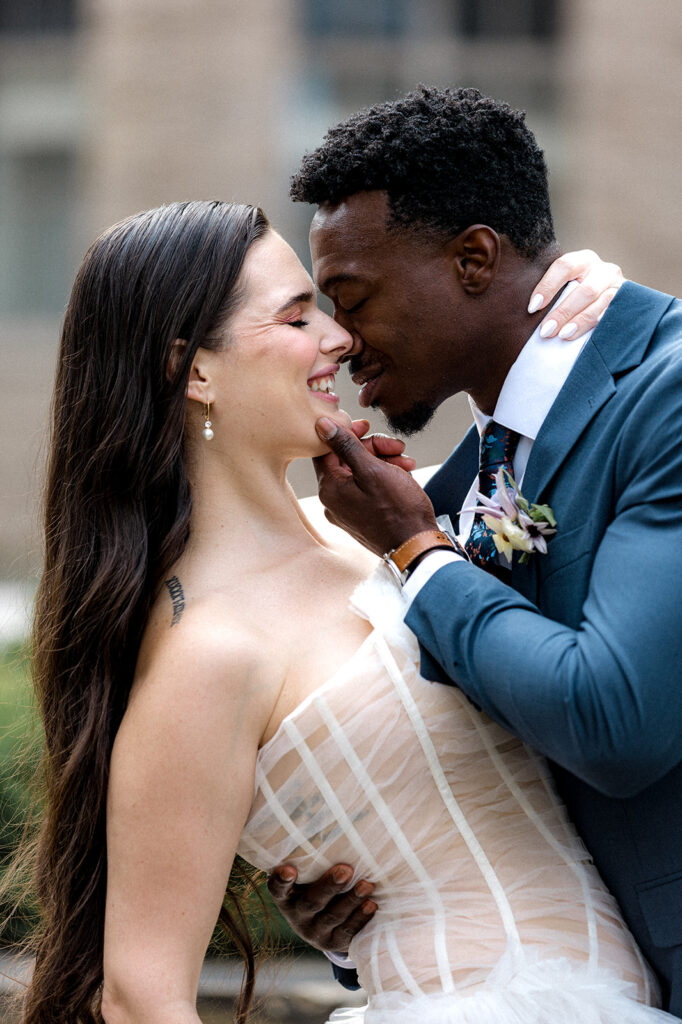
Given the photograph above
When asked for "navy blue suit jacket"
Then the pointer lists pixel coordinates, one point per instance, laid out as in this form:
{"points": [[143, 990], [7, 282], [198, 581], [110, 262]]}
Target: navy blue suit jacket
{"points": [[581, 656]]}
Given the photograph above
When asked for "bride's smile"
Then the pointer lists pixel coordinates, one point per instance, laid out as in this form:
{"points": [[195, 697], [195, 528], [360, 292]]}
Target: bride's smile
{"points": [[322, 384]]}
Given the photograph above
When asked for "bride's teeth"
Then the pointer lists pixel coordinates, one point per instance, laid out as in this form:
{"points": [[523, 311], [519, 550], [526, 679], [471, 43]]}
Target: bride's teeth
{"points": [[325, 384]]}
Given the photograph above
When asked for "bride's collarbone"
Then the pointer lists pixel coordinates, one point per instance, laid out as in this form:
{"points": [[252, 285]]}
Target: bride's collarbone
{"points": [[292, 617]]}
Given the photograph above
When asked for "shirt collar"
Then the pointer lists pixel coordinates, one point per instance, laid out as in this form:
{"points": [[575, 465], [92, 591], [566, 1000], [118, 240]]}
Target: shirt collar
{"points": [[534, 381]]}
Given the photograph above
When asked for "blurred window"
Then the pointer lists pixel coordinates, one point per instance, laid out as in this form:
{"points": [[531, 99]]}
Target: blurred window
{"points": [[354, 17], [37, 17], [36, 214], [508, 18]]}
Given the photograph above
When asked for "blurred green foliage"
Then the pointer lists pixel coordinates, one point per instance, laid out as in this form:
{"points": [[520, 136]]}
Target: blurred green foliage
{"points": [[20, 743]]}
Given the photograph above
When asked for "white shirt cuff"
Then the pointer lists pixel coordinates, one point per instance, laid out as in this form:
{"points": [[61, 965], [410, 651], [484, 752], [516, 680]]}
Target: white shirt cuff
{"points": [[340, 960], [429, 565]]}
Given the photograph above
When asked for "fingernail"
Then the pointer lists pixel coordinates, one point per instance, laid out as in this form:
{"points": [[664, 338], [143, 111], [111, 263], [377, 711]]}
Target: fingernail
{"points": [[288, 874], [368, 907], [326, 428], [535, 303], [568, 330], [549, 327], [341, 875], [363, 889]]}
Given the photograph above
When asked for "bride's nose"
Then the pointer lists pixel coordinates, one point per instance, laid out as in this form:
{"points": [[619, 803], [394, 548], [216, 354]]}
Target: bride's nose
{"points": [[335, 339]]}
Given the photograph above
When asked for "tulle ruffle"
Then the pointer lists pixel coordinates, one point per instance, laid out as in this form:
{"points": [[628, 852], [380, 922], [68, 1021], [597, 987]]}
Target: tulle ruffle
{"points": [[549, 992]]}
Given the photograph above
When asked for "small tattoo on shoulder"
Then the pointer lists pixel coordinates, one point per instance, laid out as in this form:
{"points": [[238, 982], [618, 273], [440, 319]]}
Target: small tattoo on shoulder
{"points": [[177, 596]]}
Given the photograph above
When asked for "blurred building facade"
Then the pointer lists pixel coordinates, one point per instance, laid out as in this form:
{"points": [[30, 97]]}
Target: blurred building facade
{"points": [[111, 106]]}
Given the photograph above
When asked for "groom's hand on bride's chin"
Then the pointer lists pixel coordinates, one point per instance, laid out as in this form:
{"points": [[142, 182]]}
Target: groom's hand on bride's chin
{"points": [[369, 497], [383, 446], [323, 913]]}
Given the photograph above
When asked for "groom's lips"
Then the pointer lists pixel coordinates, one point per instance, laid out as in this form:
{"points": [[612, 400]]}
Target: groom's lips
{"points": [[367, 379]]}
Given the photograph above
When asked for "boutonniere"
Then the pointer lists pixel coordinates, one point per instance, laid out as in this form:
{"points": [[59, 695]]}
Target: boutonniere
{"points": [[516, 524]]}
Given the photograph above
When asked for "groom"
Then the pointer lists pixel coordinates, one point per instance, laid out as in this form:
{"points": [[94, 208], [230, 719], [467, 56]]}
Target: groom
{"points": [[432, 226]]}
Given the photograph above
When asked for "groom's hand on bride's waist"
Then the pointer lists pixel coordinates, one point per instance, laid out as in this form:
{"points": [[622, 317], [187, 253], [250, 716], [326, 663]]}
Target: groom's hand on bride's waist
{"points": [[326, 913], [367, 494]]}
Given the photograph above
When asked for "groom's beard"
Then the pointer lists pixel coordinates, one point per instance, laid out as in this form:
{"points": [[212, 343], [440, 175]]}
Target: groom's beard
{"points": [[412, 421], [409, 422]]}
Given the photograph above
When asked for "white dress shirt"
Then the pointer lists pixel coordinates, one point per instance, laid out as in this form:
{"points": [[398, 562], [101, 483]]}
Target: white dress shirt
{"points": [[527, 395]]}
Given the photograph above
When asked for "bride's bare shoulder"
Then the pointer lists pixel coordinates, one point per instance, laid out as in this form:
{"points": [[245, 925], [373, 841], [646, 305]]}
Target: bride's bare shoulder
{"points": [[200, 653]]}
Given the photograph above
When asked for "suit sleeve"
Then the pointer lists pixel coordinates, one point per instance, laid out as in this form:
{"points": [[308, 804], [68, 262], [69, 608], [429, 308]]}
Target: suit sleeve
{"points": [[603, 700], [348, 978]]}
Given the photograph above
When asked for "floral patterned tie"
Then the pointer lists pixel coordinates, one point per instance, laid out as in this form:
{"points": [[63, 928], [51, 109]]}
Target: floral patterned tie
{"points": [[497, 448]]}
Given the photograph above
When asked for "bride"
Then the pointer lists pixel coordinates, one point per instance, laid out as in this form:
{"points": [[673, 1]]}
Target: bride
{"points": [[215, 675]]}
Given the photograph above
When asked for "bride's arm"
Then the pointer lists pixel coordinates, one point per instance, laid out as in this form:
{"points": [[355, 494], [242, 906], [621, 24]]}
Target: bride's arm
{"points": [[582, 309], [181, 784]]}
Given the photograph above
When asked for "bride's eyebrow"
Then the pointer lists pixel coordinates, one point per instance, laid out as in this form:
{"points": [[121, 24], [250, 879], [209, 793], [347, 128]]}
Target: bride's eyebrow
{"points": [[301, 297]]}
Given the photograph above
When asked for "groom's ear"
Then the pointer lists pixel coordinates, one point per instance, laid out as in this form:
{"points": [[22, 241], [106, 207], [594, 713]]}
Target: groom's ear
{"points": [[475, 255]]}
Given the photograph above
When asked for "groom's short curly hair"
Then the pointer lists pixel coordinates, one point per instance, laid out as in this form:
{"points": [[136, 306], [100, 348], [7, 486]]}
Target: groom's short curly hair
{"points": [[446, 158]]}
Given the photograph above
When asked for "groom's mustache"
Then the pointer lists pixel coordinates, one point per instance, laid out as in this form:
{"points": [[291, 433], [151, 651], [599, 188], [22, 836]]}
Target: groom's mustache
{"points": [[363, 360], [355, 363]]}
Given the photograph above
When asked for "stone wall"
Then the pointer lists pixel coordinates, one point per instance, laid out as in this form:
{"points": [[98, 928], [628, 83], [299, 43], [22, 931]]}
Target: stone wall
{"points": [[622, 115]]}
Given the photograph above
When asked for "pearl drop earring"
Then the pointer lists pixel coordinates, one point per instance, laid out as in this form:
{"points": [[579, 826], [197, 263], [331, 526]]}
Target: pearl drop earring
{"points": [[207, 433]]}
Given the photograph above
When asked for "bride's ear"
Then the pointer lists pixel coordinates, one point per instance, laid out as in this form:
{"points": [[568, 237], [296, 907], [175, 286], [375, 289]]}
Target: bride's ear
{"points": [[199, 387]]}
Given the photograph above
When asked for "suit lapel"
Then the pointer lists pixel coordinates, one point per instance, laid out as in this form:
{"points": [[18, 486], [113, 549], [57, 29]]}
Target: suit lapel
{"points": [[589, 385], [618, 343]]}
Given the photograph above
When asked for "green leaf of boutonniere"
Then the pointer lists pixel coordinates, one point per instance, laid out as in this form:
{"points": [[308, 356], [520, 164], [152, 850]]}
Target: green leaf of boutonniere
{"points": [[542, 513]]}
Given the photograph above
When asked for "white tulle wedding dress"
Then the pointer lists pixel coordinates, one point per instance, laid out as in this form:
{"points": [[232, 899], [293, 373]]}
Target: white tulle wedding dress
{"points": [[490, 911]]}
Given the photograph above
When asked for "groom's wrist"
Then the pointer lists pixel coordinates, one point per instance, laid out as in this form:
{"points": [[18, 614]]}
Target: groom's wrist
{"points": [[405, 558]]}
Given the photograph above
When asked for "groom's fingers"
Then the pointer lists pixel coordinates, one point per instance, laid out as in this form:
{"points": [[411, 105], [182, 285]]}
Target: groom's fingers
{"points": [[360, 427], [323, 913], [330, 465], [390, 449], [344, 933], [383, 446], [346, 446]]}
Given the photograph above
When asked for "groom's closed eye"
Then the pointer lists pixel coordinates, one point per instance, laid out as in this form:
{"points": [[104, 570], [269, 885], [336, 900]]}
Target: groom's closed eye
{"points": [[352, 309]]}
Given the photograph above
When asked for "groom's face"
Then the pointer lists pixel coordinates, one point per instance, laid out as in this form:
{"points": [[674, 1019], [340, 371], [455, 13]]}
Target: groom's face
{"points": [[398, 295]]}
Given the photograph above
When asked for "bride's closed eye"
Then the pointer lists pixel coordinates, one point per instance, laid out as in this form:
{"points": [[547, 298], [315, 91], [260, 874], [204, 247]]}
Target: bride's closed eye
{"points": [[298, 323]]}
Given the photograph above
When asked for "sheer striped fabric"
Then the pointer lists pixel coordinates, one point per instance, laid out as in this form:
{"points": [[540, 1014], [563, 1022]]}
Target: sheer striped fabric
{"points": [[489, 908]]}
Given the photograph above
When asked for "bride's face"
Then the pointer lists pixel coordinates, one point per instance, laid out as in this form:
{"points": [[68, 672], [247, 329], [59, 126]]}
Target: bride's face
{"points": [[277, 371]]}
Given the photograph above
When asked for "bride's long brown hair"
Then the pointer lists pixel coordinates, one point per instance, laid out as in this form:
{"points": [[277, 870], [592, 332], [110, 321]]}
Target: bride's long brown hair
{"points": [[117, 511]]}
